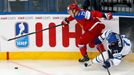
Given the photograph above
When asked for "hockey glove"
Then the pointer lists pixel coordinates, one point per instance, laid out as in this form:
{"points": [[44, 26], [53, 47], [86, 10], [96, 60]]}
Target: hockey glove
{"points": [[108, 16], [65, 22], [106, 64]]}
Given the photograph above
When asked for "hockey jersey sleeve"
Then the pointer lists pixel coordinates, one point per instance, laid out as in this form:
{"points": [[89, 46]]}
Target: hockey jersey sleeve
{"points": [[66, 21], [93, 14], [98, 14], [70, 18]]}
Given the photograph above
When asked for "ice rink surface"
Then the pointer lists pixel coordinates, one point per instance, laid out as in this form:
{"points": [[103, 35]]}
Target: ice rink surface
{"points": [[60, 67]]}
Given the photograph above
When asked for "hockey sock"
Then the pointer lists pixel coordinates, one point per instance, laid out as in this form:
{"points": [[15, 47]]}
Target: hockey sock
{"points": [[83, 51], [100, 47]]}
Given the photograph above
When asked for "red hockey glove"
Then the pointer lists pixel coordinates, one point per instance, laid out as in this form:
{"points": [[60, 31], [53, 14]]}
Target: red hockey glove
{"points": [[108, 15], [65, 22]]}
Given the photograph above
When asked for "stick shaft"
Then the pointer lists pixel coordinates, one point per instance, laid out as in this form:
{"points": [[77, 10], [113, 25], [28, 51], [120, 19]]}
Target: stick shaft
{"points": [[104, 61], [34, 32]]}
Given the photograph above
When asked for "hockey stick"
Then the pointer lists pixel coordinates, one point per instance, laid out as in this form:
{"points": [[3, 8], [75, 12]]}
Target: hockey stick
{"points": [[34, 32], [3, 37], [104, 61]]}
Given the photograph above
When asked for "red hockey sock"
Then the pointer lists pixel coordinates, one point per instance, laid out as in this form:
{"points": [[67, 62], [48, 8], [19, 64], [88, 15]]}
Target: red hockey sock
{"points": [[83, 51], [100, 47]]}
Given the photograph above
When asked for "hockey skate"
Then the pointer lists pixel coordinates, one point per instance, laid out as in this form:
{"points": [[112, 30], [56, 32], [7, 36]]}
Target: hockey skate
{"points": [[88, 63], [84, 59]]}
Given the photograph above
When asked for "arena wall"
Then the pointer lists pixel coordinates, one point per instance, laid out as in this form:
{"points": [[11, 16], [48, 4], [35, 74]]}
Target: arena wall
{"points": [[56, 43]]}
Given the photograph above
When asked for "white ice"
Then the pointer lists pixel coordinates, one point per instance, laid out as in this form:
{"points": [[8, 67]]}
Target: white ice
{"points": [[61, 67]]}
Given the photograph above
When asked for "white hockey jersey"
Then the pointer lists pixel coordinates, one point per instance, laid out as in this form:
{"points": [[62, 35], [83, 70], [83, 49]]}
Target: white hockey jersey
{"points": [[121, 42]]}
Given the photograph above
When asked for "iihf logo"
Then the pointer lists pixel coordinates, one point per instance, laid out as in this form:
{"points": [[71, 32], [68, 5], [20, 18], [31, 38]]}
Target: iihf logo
{"points": [[22, 29]]}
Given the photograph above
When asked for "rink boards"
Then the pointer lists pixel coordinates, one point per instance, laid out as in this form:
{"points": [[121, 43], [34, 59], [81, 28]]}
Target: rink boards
{"points": [[58, 43], [43, 55], [50, 56]]}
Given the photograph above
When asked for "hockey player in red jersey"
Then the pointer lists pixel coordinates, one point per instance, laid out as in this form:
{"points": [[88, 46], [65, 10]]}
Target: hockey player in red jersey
{"points": [[89, 22]]}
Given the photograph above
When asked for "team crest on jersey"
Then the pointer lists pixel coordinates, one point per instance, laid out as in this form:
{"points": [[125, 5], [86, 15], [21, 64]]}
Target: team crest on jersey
{"points": [[21, 29]]}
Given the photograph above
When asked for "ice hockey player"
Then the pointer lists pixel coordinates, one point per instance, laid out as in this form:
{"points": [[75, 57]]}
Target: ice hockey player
{"points": [[118, 47], [89, 22]]}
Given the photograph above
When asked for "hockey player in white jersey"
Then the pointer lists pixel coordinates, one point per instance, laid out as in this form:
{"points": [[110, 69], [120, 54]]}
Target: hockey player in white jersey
{"points": [[118, 47]]}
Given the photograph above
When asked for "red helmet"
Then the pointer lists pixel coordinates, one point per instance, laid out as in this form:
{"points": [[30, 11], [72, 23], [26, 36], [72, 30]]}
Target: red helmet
{"points": [[73, 7]]}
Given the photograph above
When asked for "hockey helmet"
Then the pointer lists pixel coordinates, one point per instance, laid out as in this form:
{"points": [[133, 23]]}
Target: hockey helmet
{"points": [[112, 38], [73, 7]]}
